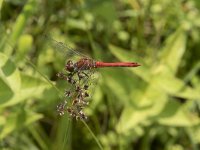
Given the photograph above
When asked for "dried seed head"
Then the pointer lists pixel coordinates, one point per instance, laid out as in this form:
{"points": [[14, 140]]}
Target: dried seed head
{"points": [[61, 108], [71, 80], [69, 110], [60, 75], [77, 117], [61, 113], [85, 87], [86, 94], [82, 115], [85, 103], [76, 101], [80, 76], [67, 93], [78, 89], [70, 74]]}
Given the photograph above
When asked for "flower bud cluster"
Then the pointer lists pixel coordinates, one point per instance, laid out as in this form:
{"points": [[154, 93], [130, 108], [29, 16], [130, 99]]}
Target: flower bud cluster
{"points": [[77, 96]]}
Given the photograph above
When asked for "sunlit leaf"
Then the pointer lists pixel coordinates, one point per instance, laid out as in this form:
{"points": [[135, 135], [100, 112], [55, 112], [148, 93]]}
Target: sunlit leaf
{"points": [[5, 92], [175, 115], [13, 122], [9, 73], [24, 44], [31, 87], [174, 49], [17, 87], [174, 86], [124, 56]]}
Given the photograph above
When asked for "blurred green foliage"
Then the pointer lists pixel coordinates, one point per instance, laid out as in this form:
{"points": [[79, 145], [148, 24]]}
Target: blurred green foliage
{"points": [[155, 106]]}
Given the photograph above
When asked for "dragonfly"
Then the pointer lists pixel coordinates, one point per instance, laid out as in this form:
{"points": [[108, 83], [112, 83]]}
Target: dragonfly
{"points": [[78, 71]]}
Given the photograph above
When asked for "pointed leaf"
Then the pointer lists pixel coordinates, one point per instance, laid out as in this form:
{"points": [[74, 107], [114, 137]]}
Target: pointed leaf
{"points": [[125, 56], [9, 73], [174, 50], [31, 87], [175, 115], [16, 121]]}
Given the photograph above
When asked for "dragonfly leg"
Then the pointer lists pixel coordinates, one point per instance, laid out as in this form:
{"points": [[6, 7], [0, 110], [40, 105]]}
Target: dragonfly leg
{"points": [[80, 75]]}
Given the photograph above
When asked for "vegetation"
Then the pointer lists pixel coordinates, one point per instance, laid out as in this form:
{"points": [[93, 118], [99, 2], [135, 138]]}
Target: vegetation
{"points": [[155, 106]]}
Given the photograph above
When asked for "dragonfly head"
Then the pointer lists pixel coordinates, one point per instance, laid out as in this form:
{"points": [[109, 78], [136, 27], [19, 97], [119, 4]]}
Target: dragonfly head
{"points": [[69, 66]]}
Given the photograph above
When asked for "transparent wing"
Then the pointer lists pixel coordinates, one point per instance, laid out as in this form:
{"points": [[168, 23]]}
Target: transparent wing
{"points": [[66, 51], [92, 81]]}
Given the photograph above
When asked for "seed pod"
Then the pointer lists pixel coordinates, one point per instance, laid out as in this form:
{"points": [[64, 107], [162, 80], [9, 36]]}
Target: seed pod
{"points": [[60, 75], [78, 89], [67, 93], [85, 87], [61, 108], [86, 94], [76, 101], [82, 115]]}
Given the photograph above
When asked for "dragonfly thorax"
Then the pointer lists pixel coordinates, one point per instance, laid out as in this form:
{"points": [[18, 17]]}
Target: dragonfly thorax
{"points": [[82, 64]]}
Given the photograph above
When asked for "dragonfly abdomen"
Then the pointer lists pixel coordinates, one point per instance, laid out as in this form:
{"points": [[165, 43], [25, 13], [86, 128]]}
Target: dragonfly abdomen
{"points": [[87, 64], [116, 64]]}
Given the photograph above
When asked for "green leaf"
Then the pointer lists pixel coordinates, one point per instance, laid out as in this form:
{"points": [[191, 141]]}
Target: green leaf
{"points": [[77, 24], [2, 120], [175, 115], [9, 73], [123, 55], [131, 117], [174, 86], [152, 102], [30, 87], [17, 87], [103, 9], [6, 92], [20, 23], [10, 80], [174, 49], [24, 44], [18, 120], [115, 84]]}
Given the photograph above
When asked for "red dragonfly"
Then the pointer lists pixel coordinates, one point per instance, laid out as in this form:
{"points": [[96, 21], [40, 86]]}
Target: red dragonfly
{"points": [[87, 64], [77, 74]]}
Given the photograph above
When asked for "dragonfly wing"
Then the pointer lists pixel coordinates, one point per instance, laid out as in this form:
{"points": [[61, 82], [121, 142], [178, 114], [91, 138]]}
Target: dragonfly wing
{"points": [[93, 81], [66, 51]]}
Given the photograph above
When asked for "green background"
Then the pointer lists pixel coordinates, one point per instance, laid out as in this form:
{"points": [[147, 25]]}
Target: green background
{"points": [[152, 107]]}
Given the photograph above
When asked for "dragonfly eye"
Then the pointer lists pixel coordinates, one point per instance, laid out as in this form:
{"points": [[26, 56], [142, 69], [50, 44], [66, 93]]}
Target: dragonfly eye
{"points": [[69, 66]]}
